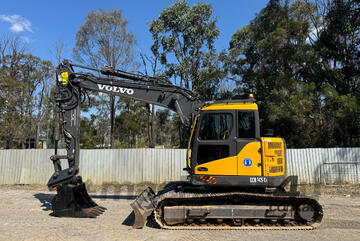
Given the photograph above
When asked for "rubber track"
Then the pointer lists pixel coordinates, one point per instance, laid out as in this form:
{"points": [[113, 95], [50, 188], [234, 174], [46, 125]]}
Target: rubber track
{"points": [[173, 196]]}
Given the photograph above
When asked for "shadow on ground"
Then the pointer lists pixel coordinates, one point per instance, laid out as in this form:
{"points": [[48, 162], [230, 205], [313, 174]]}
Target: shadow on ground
{"points": [[45, 200], [125, 197], [130, 220]]}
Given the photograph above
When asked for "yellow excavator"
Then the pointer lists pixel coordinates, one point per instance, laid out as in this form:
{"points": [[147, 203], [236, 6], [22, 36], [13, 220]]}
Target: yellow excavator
{"points": [[236, 178]]}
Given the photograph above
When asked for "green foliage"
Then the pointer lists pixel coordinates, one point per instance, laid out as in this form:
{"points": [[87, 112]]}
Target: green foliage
{"points": [[183, 39], [24, 94], [167, 134], [309, 87], [89, 137], [339, 43], [130, 125], [105, 40], [300, 58]]}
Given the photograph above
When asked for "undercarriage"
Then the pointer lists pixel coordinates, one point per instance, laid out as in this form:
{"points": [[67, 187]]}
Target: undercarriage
{"points": [[180, 208]]}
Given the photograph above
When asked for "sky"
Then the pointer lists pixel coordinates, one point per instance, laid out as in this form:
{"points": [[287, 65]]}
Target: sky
{"points": [[41, 23]]}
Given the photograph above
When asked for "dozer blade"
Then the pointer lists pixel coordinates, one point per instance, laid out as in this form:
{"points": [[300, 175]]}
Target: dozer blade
{"points": [[143, 207], [73, 200]]}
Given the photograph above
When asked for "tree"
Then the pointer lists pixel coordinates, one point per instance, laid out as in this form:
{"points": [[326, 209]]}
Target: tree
{"points": [[162, 117], [339, 43], [277, 64], [25, 87], [268, 62], [58, 52], [153, 61], [105, 40], [167, 123], [89, 137], [183, 38], [129, 124], [284, 57], [339, 48], [11, 48]]}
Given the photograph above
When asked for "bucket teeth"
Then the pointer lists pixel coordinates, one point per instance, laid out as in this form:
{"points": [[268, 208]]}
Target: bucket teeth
{"points": [[92, 212], [73, 200]]}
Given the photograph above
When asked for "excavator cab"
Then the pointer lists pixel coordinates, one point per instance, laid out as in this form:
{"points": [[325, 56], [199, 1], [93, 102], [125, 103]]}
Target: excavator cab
{"points": [[235, 178], [225, 148]]}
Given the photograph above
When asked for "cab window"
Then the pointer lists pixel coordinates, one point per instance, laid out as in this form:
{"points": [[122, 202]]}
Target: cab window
{"points": [[208, 153], [246, 124], [216, 126]]}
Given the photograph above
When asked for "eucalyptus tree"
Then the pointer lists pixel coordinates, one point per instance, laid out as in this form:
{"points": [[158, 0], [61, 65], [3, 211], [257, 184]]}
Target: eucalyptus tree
{"points": [[23, 93], [183, 39], [105, 40], [301, 60]]}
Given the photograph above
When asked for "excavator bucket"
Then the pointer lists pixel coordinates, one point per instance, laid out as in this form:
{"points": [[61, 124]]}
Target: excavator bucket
{"points": [[73, 200], [143, 207]]}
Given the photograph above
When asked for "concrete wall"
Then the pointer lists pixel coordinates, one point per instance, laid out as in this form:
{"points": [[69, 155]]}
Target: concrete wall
{"points": [[125, 166]]}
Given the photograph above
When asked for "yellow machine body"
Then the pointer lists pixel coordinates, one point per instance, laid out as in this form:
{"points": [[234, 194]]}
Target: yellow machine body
{"points": [[249, 161], [271, 162]]}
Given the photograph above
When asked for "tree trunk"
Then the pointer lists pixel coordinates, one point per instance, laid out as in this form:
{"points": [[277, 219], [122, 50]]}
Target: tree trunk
{"points": [[149, 124], [39, 117], [151, 134], [37, 135], [47, 134], [112, 120], [153, 125], [8, 144]]}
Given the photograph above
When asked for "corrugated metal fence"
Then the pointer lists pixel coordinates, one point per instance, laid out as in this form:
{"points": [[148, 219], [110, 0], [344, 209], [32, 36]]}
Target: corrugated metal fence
{"points": [[325, 165], [134, 166]]}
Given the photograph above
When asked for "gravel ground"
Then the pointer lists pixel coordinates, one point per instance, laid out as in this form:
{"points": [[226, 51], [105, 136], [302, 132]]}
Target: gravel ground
{"points": [[25, 214]]}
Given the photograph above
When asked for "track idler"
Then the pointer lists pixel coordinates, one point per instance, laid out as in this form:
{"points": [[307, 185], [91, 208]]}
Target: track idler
{"points": [[73, 200]]}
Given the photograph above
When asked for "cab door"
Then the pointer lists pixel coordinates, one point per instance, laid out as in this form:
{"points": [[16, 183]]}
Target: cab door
{"points": [[214, 151], [248, 143]]}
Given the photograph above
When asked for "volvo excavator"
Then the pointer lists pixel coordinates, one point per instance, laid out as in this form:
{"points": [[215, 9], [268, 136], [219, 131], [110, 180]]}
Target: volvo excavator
{"points": [[236, 178]]}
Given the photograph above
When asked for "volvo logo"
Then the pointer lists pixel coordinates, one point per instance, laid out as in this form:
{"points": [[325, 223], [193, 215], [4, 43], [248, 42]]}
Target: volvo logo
{"points": [[116, 89]]}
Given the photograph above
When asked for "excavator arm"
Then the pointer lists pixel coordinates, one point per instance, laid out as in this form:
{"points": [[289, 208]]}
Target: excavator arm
{"points": [[71, 86]]}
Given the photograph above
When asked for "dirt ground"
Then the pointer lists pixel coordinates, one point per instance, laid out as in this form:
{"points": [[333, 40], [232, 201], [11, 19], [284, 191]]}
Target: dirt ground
{"points": [[25, 214]]}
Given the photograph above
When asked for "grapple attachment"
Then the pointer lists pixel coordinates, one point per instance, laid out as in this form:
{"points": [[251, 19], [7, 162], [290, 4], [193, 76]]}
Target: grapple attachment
{"points": [[73, 200], [143, 207]]}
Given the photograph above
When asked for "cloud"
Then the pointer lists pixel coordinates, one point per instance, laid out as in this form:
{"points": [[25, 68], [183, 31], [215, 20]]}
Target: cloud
{"points": [[26, 39], [18, 23]]}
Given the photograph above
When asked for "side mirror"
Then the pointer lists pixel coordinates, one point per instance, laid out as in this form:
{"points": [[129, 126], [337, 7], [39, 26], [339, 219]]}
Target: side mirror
{"points": [[269, 132]]}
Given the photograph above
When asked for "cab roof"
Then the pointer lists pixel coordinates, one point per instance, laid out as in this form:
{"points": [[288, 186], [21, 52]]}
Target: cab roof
{"points": [[232, 105]]}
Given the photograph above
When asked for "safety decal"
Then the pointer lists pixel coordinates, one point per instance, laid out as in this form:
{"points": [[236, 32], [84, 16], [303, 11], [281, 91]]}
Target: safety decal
{"points": [[247, 162], [209, 179]]}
